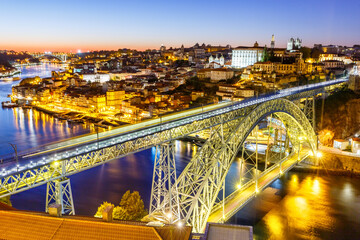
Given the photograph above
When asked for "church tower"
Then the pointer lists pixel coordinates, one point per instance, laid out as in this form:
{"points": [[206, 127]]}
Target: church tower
{"points": [[272, 42]]}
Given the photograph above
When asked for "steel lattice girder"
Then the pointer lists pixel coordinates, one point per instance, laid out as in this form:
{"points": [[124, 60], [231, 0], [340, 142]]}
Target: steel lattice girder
{"points": [[202, 179], [36, 176], [163, 205], [294, 132], [59, 191]]}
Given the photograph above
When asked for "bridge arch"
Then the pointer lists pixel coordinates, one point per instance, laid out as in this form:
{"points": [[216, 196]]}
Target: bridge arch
{"points": [[202, 179], [61, 58], [53, 56]]}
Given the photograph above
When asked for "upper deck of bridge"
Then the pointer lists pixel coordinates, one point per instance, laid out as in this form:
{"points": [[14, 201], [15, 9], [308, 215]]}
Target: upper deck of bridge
{"points": [[86, 143]]}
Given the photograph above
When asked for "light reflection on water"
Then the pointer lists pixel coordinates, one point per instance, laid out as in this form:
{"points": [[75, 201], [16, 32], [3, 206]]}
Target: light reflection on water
{"points": [[297, 206], [29, 128], [305, 207]]}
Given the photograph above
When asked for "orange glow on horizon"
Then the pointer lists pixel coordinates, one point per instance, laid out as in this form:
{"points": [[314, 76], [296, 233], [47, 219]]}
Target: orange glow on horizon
{"points": [[73, 49]]}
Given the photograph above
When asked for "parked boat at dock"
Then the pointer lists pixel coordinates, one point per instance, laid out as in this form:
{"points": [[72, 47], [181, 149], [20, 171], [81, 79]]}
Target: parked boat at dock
{"points": [[9, 104]]}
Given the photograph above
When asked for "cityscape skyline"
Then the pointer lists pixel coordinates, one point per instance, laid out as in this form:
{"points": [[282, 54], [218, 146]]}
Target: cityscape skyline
{"points": [[180, 119], [69, 26]]}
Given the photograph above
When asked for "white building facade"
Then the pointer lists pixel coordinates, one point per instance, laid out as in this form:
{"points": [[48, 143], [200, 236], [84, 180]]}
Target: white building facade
{"points": [[96, 77], [245, 56]]}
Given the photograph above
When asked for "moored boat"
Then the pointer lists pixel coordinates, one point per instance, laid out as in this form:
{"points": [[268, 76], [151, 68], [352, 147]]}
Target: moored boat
{"points": [[8, 104]]}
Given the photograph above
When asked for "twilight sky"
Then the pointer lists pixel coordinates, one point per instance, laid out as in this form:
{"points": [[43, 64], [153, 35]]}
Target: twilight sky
{"points": [[64, 25]]}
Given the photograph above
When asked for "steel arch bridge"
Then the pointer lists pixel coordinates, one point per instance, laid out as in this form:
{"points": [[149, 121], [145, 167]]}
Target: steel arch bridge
{"points": [[194, 193], [61, 57], [192, 197]]}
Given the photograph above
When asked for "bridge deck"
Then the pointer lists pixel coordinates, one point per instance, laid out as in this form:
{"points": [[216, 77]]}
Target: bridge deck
{"points": [[241, 197], [72, 156], [87, 143]]}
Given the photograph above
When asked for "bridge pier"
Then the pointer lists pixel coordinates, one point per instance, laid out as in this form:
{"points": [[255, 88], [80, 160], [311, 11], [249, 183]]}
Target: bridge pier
{"points": [[309, 110], [164, 200], [59, 191]]}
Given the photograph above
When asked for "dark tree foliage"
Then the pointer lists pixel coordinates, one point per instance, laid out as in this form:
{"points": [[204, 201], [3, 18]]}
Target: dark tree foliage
{"points": [[6, 200], [315, 53], [181, 63], [195, 83], [265, 56], [306, 52]]}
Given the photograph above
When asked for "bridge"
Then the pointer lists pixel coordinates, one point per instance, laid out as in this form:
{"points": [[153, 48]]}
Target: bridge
{"points": [[197, 195], [60, 56]]}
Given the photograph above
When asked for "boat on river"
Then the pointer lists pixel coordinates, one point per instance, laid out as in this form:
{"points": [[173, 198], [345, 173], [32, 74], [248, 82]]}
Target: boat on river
{"points": [[10, 79], [9, 104]]}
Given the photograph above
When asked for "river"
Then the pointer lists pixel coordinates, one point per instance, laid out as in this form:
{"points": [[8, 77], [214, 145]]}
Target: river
{"points": [[296, 206]]}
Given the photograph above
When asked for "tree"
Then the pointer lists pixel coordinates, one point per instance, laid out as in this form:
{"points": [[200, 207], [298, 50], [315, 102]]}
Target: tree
{"points": [[265, 56], [6, 200], [101, 209], [195, 83], [315, 53], [306, 52], [133, 205], [120, 213]]}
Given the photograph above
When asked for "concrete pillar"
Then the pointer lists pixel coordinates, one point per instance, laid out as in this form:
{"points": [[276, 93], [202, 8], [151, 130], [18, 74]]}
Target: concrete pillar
{"points": [[55, 210], [107, 214]]}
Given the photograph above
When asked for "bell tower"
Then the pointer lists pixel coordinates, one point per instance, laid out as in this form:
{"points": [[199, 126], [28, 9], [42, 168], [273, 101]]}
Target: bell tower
{"points": [[272, 42]]}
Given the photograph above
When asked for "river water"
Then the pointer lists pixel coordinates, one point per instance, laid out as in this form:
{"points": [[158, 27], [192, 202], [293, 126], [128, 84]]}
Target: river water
{"points": [[296, 206]]}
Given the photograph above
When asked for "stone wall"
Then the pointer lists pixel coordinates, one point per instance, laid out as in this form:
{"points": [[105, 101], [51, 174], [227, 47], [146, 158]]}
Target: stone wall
{"points": [[344, 120], [336, 162]]}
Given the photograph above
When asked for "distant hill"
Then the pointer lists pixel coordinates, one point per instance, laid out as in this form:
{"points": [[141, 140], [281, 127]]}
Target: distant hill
{"points": [[5, 59]]}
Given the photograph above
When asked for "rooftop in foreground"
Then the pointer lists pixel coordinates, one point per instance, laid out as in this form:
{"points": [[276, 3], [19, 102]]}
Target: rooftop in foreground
{"points": [[35, 225]]}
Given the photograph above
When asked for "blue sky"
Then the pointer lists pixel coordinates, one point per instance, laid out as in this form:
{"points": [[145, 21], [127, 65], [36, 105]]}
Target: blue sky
{"points": [[109, 24]]}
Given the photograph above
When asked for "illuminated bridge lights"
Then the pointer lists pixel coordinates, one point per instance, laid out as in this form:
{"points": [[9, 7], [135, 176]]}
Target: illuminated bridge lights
{"points": [[227, 121]]}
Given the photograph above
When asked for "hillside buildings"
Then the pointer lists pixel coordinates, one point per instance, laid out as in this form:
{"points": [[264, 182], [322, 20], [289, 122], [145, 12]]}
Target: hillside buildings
{"points": [[130, 85]]}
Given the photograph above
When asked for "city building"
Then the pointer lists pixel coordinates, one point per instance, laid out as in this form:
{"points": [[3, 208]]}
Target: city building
{"points": [[329, 64], [354, 82], [216, 62], [245, 56], [215, 75], [114, 98], [341, 144], [293, 44], [355, 145], [97, 77], [196, 94]]}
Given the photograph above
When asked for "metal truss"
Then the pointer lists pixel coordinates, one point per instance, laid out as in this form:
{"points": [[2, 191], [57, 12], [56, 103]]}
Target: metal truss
{"points": [[250, 170], [309, 110], [36, 176], [202, 179], [59, 191], [164, 206], [14, 182], [249, 161]]}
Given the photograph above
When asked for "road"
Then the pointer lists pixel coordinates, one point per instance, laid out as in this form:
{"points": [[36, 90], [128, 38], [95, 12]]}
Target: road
{"points": [[87, 143], [337, 151], [240, 197]]}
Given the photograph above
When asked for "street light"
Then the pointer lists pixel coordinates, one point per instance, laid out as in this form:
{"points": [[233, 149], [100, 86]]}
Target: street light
{"points": [[97, 135], [15, 150]]}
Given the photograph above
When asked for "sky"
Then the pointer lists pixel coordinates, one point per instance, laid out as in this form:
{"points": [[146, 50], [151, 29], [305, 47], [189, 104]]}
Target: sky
{"points": [[69, 25]]}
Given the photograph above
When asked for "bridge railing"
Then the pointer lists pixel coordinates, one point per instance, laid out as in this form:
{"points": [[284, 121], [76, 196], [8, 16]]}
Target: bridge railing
{"points": [[247, 184], [169, 118], [219, 205]]}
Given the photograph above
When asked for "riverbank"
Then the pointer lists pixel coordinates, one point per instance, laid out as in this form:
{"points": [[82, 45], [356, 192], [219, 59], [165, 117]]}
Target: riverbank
{"points": [[9, 73], [79, 117], [331, 164], [307, 168], [26, 64]]}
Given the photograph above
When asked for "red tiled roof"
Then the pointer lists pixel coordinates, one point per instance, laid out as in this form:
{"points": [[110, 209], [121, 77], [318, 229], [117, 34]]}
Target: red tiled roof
{"points": [[24, 225]]}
